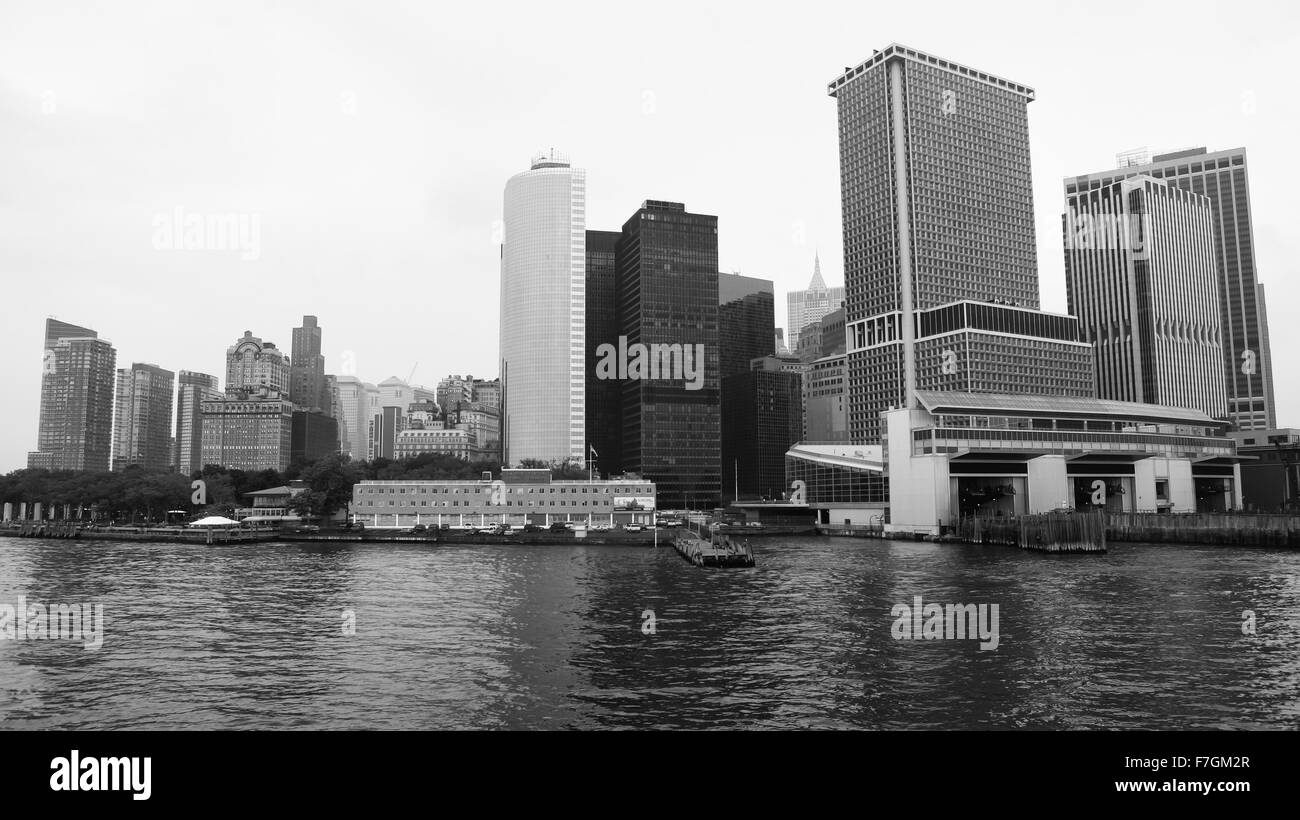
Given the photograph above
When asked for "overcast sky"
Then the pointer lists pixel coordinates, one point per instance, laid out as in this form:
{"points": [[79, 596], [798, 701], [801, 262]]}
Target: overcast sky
{"points": [[369, 143]]}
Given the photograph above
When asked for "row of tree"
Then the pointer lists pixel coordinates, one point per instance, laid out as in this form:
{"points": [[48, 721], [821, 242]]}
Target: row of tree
{"points": [[137, 493]]}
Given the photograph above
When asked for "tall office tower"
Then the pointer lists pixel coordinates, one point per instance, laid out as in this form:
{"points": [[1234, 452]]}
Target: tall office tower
{"points": [[76, 423], [453, 391], [253, 365], [1140, 275], [604, 396], [355, 397], [941, 280], [333, 407], [144, 417], [191, 391], [746, 322], [543, 311], [251, 432], [1221, 176], [307, 367], [667, 292], [803, 307], [762, 419]]}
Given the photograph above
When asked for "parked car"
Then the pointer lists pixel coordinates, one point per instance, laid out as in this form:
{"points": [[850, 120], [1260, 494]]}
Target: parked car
{"points": [[306, 528], [532, 528], [559, 526]]}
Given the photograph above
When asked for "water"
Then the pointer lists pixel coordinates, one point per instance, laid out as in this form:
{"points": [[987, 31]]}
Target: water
{"points": [[513, 637]]}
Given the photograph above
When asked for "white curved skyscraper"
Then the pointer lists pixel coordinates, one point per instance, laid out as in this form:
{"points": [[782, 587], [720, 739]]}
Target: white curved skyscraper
{"points": [[543, 309]]}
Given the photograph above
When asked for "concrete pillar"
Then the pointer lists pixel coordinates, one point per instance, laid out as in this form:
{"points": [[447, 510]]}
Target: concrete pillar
{"points": [[9, 511], [36, 511], [22, 511]]}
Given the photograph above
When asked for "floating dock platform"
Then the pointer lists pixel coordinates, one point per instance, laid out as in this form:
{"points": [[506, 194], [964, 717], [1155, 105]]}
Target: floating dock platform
{"points": [[722, 552]]}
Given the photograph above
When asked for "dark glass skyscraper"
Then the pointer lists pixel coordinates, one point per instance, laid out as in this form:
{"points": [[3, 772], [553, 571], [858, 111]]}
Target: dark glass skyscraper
{"points": [[667, 294], [762, 420], [604, 396], [938, 219], [1221, 176], [746, 322]]}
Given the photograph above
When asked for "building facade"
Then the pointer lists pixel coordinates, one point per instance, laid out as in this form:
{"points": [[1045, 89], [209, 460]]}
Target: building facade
{"points": [[253, 365], [77, 382], [356, 398], [941, 279], [803, 307], [746, 322], [667, 293], [1141, 276], [458, 443], [1270, 470], [762, 419], [543, 313], [192, 390], [825, 402], [958, 454], [518, 497], [307, 386], [313, 435], [604, 396], [1222, 177], [143, 432], [252, 432]]}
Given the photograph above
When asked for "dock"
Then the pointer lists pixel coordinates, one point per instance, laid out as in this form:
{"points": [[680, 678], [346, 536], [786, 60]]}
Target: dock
{"points": [[724, 552], [1064, 532]]}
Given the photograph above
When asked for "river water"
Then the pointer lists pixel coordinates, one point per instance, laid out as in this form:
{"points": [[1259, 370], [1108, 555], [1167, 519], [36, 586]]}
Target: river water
{"points": [[557, 637]]}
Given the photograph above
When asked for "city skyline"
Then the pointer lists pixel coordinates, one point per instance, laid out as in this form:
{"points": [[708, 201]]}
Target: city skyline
{"points": [[391, 341]]}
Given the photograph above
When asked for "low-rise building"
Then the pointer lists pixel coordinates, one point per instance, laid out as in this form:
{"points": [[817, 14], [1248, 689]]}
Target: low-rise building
{"points": [[1270, 469], [458, 443], [522, 496], [961, 454]]}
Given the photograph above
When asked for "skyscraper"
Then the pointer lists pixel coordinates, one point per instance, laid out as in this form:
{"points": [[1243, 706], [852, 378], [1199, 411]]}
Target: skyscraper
{"points": [[142, 434], [746, 322], [76, 422], [307, 368], [941, 280], [192, 390], [355, 402], [543, 307], [762, 418], [1221, 176], [604, 396], [667, 292], [1141, 276], [252, 365], [803, 307]]}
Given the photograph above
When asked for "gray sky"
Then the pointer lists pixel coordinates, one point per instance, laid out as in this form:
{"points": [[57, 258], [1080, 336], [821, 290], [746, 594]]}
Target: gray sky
{"points": [[371, 143]]}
